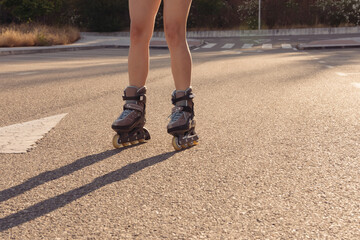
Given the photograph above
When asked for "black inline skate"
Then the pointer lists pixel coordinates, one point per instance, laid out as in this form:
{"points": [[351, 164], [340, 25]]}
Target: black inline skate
{"points": [[182, 123], [130, 124]]}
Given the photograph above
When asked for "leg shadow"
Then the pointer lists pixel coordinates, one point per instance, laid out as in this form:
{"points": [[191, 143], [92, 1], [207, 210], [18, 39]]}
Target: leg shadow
{"points": [[52, 204], [57, 173]]}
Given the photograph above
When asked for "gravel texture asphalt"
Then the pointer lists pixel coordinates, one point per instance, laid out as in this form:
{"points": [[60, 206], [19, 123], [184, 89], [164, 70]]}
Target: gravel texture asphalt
{"points": [[278, 156]]}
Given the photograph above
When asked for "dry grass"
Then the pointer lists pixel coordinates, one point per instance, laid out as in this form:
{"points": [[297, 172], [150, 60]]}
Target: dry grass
{"points": [[36, 35]]}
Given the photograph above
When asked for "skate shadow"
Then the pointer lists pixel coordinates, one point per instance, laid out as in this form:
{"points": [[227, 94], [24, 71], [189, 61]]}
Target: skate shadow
{"points": [[51, 204], [58, 173]]}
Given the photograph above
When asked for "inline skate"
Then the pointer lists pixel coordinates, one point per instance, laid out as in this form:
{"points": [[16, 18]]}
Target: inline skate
{"points": [[182, 123], [130, 124]]}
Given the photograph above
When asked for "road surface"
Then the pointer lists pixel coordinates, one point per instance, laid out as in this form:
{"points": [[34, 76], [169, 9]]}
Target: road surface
{"points": [[278, 156]]}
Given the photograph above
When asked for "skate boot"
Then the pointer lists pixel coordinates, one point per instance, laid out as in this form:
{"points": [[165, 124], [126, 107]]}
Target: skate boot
{"points": [[130, 124], [182, 123]]}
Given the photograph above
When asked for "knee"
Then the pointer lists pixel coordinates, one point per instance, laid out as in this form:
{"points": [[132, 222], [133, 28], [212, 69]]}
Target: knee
{"points": [[139, 34], [175, 36]]}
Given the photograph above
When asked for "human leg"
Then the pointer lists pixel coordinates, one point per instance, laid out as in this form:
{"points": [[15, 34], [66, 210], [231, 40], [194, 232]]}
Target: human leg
{"points": [[182, 123], [142, 16], [175, 19], [130, 124]]}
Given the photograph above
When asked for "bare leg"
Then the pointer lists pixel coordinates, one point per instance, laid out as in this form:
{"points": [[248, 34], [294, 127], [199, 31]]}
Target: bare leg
{"points": [[142, 15], [175, 18]]}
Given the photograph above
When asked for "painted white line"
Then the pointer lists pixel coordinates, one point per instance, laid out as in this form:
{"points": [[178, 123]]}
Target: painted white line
{"points": [[342, 74], [355, 84], [286, 46], [19, 138], [267, 46], [209, 45], [315, 58], [196, 49], [247, 45], [25, 73], [228, 45], [347, 74]]}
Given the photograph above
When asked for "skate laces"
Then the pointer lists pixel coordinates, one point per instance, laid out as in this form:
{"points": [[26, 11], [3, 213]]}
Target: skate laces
{"points": [[125, 113], [176, 114]]}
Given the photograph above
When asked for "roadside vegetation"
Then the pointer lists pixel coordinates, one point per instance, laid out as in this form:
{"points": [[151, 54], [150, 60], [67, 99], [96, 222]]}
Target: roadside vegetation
{"points": [[36, 35], [111, 16]]}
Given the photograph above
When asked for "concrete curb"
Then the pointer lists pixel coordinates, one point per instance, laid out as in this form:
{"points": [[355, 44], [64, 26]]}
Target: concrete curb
{"points": [[329, 46], [331, 43], [273, 32], [13, 51], [246, 33], [77, 47]]}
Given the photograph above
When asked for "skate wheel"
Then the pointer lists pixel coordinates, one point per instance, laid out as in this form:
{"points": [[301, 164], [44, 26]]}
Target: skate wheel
{"points": [[142, 140], [195, 143], [175, 143], [134, 142], [126, 144], [116, 143]]}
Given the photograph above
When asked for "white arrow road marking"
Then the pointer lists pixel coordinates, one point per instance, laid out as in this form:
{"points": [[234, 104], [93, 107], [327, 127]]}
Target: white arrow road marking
{"points": [[355, 84], [19, 138]]}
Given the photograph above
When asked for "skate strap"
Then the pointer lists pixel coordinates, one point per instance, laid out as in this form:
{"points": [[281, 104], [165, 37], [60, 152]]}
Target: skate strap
{"points": [[134, 98], [186, 97], [182, 109], [132, 106]]}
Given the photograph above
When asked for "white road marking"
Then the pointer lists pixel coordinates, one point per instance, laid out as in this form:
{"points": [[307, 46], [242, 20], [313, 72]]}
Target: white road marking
{"points": [[228, 45], [329, 66], [247, 45], [267, 46], [209, 45], [196, 49], [19, 138], [322, 62], [347, 74], [357, 85], [341, 74], [286, 46], [25, 73]]}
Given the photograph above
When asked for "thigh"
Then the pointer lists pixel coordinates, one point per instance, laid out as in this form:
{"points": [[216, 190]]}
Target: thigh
{"points": [[143, 12], [176, 13]]}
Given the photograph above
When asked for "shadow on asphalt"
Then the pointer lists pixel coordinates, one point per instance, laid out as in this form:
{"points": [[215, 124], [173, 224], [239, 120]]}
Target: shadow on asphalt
{"points": [[61, 200]]}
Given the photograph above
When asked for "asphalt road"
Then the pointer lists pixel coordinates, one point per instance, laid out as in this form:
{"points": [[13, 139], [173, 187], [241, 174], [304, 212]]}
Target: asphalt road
{"points": [[278, 156]]}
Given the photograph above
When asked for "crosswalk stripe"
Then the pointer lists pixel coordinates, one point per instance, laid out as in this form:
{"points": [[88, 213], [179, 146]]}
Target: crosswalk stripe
{"points": [[228, 45], [267, 46], [286, 46], [209, 45], [247, 45]]}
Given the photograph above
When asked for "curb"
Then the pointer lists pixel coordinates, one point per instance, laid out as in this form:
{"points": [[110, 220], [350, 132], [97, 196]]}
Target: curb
{"points": [[55, 49], [330, 46], [247, 33], [14, 51]]}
